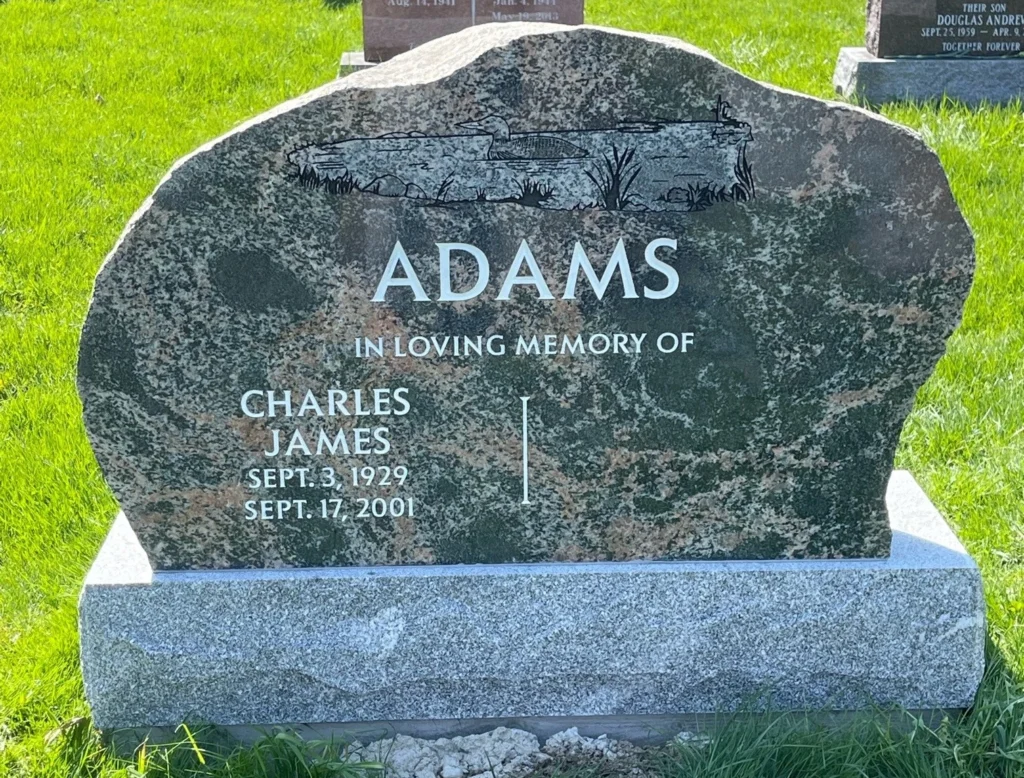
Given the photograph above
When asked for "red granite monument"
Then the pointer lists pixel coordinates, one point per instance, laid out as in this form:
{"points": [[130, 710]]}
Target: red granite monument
{"points": [[391, 27]]}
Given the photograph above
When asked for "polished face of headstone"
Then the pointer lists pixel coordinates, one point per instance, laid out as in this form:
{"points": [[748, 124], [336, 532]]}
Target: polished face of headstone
{"points": [[526, 294], [948, 28], [393, 27]]}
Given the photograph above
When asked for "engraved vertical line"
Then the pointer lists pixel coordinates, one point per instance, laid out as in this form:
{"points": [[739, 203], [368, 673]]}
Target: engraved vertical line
{"points": [[472, 12], [526, 456]]}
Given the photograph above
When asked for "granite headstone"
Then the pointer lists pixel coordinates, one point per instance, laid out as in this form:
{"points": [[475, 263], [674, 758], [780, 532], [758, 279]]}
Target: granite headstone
{"points": [[535, 294], [930, 49], [391, 27], [633, 307], [947, 28]]}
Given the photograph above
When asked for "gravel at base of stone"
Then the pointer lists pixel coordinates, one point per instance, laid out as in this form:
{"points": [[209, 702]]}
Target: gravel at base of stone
{"points": [[502, 753], [572, 744], [693, 739]]}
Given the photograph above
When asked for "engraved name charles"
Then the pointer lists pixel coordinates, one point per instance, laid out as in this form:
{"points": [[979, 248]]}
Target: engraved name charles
{"points": [[289, 411], [400, 277]]}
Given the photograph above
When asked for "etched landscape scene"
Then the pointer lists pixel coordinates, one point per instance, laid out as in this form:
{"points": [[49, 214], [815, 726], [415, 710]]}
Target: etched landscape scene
{"points": [[637, 166]]}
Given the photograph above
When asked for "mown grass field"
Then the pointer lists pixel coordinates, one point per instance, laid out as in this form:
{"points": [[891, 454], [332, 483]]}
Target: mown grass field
{"points": [[98, 98]]}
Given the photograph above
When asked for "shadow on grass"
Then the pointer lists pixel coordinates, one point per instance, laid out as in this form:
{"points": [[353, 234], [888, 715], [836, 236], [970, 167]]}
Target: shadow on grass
{"points": [[334, 5]]}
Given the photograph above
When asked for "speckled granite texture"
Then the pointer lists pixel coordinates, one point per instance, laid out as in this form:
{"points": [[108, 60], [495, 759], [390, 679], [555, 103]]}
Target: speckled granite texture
{"points": [[821, 264], [477, 642]]}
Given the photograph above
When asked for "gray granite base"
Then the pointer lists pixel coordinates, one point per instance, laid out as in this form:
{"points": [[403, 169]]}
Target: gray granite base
{"points": [[569, 641], [354, 60], [643, 730], [972, 81]]}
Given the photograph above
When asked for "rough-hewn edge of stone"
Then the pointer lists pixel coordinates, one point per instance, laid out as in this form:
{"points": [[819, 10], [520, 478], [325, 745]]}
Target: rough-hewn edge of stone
{"points": [[451, 53], [444, 57], [873, 30], [146, 664]]}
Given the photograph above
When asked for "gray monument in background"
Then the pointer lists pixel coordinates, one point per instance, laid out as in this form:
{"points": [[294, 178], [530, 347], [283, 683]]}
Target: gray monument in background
{"points": [[514, 381], [928, 49]]}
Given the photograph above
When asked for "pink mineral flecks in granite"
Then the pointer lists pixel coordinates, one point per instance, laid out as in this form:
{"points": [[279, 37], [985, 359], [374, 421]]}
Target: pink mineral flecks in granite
{"points": [[728, 383]]}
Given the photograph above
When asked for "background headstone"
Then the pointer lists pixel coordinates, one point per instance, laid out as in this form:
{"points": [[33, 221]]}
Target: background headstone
{"points": [[391, 27], [930, 49], [762, 281], [948, 28]]}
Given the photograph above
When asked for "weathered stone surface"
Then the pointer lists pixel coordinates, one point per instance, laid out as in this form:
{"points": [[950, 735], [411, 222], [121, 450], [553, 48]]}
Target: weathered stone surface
{"points": [[426, 648], [821, 264], [949, 28], [392, 27]]}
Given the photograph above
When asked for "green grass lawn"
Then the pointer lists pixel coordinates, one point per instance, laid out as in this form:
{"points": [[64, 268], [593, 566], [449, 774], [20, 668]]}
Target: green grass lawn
{"points": [[98, 98]]}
